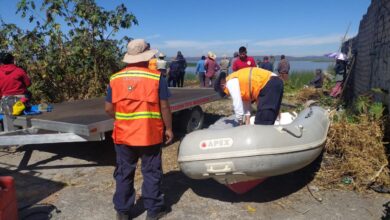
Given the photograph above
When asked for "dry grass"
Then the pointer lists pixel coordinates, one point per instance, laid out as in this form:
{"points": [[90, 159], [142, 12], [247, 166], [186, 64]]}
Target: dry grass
{"points": [[309, 93], [302, 96], [354, 151]]}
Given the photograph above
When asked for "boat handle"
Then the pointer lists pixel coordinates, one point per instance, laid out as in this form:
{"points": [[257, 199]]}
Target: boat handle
{"points": [[291, 133], [225, 169]]}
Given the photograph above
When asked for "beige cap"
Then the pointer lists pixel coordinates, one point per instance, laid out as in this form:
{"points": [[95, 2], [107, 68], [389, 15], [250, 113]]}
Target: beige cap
{"points": [[137, 51], [211, 55]]}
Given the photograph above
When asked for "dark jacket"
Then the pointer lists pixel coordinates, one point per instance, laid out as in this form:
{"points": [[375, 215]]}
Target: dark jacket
{"points": [[317, 81], [340, 67], [174, 69], [182, 63], [267, 66]]}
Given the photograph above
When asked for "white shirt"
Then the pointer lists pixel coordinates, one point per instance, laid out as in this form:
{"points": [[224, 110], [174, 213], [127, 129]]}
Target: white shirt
{"points": [[240, 107], [161, 64]]}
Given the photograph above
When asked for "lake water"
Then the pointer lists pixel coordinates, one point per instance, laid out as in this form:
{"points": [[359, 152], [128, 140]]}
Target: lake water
{"points": [[295, 66]]}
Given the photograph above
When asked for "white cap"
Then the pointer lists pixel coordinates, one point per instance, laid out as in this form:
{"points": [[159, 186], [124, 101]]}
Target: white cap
{"points": [[341, 56]]}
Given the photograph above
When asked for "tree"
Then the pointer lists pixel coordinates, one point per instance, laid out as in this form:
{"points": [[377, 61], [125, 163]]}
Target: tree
{"points": [[70, 52]]}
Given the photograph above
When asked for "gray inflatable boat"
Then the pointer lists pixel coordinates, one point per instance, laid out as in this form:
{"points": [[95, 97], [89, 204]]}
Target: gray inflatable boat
{"points": [[241, 157]]}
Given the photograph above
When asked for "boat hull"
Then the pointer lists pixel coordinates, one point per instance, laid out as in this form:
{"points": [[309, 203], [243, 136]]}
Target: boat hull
{"points": [[231, 155]]}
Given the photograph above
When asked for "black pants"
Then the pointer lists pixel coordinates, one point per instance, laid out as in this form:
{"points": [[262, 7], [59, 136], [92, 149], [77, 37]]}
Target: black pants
{"points": [[126, 163], [180, 80], [268, 102], [172, 81]]}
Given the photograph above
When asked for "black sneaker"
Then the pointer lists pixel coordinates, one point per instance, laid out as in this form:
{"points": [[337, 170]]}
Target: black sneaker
{"points": [[159, 215], [121, 216]]}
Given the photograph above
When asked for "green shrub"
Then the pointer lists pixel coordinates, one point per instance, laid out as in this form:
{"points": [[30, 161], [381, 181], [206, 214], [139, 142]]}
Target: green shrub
{"points": [[297, 80], [70, 62]]}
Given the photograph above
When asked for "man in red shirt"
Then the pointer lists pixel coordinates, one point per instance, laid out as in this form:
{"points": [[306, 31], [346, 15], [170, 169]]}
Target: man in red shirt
{"points": [[13, 79], [243, 61]]}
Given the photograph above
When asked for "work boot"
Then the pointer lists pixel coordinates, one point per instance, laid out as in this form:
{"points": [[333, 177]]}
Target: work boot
{"points": [[159, 215], [121, 216]]}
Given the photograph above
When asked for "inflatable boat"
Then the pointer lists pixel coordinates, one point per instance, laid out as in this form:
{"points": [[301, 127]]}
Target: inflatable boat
{"points": [[243, 156]]}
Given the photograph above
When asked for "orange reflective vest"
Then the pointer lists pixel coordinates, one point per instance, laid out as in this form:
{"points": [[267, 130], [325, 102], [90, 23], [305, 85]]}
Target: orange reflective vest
{"points": [[136, 102], [252, 80], [153, 64]]}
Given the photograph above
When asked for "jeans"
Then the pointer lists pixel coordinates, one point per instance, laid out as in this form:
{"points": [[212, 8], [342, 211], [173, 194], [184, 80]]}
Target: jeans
{"points": [[201, 78]]}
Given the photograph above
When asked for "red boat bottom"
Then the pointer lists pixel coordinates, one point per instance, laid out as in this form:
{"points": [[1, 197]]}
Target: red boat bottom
{"points": [[8, 206], [243, 187]]}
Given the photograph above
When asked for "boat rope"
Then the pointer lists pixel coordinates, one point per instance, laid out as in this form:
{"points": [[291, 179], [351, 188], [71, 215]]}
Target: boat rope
{"points": [[310, 112], [292, 134]]}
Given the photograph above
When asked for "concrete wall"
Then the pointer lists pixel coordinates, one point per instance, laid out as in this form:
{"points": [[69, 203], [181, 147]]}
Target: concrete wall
{"points": [[372, 51]]}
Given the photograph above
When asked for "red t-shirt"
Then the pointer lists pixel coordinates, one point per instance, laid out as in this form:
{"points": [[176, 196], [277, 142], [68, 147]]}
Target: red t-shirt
{"points": [[239, 64], [13, 80]]}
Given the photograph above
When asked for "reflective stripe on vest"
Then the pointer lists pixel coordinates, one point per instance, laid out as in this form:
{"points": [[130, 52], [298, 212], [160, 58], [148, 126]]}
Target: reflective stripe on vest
{"points": [[136, 73], [252, 80], [137, 115]]}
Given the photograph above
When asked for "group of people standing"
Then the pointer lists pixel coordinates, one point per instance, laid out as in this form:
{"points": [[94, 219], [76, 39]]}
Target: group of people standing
{"points": [[207, 68], [172, 72]]}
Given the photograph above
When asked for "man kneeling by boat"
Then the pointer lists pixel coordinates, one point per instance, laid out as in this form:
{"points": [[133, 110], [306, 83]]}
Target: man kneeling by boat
{"points": [[249, 85]]}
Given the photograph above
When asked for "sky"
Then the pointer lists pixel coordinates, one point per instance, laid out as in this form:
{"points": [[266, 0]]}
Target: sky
{"points": [[290, 27]]}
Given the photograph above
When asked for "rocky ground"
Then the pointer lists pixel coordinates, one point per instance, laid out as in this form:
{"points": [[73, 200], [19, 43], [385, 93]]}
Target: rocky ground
{"points": [[74, 181]]}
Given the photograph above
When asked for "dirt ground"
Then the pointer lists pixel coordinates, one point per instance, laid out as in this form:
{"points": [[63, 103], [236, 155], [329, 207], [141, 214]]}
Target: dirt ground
{"points": [[74, 181]]}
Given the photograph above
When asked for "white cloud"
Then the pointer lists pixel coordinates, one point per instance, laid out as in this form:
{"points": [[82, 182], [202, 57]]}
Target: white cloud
{"points": [[301, 41]]}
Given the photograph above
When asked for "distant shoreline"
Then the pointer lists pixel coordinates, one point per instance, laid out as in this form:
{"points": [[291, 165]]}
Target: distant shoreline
{"points": [[194, 60]]}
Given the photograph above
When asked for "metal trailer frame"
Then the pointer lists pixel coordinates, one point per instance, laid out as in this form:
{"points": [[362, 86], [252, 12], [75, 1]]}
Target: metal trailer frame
{"points": [[85, 120]]}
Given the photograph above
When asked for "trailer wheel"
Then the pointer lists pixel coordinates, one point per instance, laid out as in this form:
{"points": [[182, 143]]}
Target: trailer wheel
{"points": [[193, 119]]}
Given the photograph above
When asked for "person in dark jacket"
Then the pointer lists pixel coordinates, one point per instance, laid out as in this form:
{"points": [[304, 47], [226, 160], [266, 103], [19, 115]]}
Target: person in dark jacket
{"points": [[174, 73], [266, 64], [14, 81], [318, 79], [182, 68], [341, 70]]}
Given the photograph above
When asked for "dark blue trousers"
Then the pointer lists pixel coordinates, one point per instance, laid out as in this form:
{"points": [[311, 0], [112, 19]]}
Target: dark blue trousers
{"points": [[126, 163], [268, 102]]}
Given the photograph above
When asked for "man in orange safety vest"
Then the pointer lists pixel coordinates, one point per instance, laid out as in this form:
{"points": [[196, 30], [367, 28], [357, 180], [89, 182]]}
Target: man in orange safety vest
{"points": [[138, 100]]}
